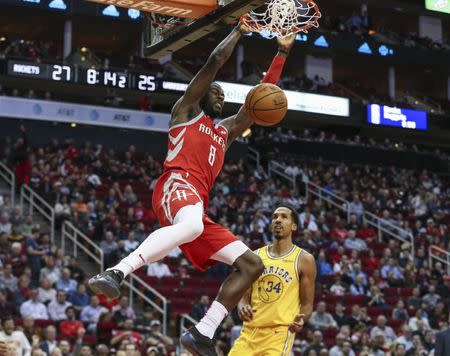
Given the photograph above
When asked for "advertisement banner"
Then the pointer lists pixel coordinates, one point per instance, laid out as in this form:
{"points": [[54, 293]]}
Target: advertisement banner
{"points": [[297, 101], [82, 114], [396, 117]]}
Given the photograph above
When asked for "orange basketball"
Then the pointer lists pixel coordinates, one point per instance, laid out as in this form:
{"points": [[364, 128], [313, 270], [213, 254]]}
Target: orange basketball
{"points": [[266, 104]]}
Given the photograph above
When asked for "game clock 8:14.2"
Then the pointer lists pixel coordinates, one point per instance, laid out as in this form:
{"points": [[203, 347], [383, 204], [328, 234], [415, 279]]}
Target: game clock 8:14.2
{"points": [[87, 76]]}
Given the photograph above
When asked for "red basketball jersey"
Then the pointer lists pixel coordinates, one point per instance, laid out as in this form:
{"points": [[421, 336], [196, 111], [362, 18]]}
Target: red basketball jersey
{"points": [[198, 148]]}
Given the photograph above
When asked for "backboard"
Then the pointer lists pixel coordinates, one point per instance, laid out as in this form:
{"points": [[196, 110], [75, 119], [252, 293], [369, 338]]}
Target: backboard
{"points": [[173, 24]]}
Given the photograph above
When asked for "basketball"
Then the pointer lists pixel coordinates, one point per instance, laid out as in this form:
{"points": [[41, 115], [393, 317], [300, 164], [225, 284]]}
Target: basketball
{"points": [[266, 104]]}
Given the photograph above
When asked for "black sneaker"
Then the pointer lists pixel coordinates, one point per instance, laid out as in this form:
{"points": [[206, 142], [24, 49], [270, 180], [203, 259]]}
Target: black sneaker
{"points": [[197, 344], [107, 283]]}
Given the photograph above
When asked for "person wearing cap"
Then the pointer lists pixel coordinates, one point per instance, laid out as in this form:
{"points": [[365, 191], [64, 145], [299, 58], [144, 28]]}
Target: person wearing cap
{"points": [[156, 337]]}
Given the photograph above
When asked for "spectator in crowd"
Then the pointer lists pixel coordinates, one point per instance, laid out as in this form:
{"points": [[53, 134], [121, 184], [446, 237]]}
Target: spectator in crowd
{"points": [[70, 326], [45, 291], [431, 298], [340, 315], [400, 312], [5, 223], [405, 338], [384, 329], [51, 271], [66, 283], [76, 272], [354, 243], [79, 298], [358, 288], [91, 313], [320, 319], [123, 310], [391, 267], [158, 269], [7, 280], [323, 267], [34, 254], [110, 248], [57, 308], [33, 307], [201, 307], [17, 259], [156, 337], [338, 288], [376, 297], [130, 243], [6, 308], [415, 301], [317, 343], [49, 344], [15, 339], [126, 333], [338, 348]]}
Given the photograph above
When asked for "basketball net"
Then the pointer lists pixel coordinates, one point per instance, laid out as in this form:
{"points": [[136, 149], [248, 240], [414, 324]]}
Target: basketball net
{"points": [[280, 18]]}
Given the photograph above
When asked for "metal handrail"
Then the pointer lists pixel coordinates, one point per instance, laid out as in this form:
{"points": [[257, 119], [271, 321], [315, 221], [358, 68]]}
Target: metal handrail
{"points": [[254, 155], [10, 178], [183, 319], [133, 279], [382, 225], [69, 231], [36, 202], [438, 256], [279, 170]]}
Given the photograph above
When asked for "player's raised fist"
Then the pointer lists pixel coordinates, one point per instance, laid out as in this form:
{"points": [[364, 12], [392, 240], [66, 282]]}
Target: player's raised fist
{"points": [[245, 312], [285, 43]]}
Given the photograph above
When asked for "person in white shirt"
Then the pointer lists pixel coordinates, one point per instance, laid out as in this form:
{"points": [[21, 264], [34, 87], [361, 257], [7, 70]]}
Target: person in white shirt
{"points": [[16, 340], [33, 307], [45, 292], [130, 243], [57, 308], [158, 269], [51, 271], [353, 242], [91, 313]]}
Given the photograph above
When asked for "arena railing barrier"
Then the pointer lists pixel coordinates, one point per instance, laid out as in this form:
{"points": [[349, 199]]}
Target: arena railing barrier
{"points": [[36, 202], [382, 225], [10, 178], [278, 169], [183, 319], [133, 285], [254, 156], [440, 255], [82, 243]]}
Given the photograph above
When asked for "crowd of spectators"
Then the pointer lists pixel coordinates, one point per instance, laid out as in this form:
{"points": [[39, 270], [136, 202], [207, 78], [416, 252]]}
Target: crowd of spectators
{"points": [[30, 49], [395, 299]]}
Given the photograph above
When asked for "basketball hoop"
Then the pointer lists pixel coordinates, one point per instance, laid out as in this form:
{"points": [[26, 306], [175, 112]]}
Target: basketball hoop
{"points": [[280, 18]]}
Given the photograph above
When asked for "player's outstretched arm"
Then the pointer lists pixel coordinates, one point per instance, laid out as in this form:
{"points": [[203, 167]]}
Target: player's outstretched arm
{"points": [[237, 124], [188, 106]]}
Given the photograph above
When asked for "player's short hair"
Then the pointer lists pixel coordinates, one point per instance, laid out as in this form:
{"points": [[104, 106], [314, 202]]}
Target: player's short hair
{"points": [[294, 214]]}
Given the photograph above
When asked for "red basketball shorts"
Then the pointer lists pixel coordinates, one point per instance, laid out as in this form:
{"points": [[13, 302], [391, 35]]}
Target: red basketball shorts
{"points": [[172, 192]]}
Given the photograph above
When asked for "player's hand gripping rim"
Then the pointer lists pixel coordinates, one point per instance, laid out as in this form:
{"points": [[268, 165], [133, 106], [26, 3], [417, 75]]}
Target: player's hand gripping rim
{"points": [[297, 324]]}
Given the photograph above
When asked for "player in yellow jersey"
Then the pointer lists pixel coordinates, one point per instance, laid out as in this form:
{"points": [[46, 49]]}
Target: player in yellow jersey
{"points": [[281, 300]]}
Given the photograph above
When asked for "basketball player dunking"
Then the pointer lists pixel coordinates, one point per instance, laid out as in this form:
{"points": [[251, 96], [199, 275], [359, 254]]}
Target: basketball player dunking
{"points": [[194, 159], [281, 300]]}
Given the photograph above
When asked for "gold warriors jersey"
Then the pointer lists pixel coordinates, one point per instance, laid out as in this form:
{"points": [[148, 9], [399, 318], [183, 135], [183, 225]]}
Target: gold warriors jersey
{"points": [[275, 296]]}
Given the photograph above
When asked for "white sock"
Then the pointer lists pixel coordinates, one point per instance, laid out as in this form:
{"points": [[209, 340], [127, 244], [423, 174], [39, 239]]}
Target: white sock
{"points": [[212, 319], [187, 224]]}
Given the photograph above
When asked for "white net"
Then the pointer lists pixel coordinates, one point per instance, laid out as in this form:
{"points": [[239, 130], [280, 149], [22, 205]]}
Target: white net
{"points": [[283, 17]]}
